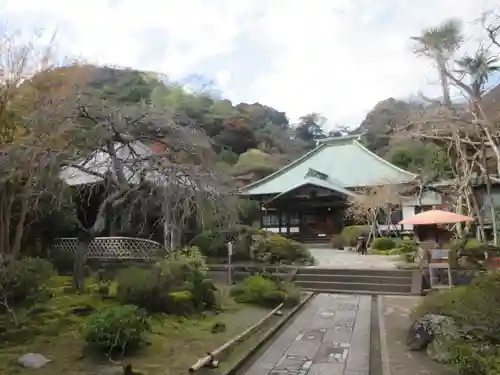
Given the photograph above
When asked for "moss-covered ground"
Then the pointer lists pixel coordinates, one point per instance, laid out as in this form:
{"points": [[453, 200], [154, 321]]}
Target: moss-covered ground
{"points": [[52, 328]]}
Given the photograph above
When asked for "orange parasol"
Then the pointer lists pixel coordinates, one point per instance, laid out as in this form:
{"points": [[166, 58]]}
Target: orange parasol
{"points": [[436, 217]]}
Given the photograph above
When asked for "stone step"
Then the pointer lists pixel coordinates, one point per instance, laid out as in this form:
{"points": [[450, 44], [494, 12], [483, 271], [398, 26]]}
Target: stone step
{"points": [[365, 279], [238, 276], [250, 267], [354, 287], [354, 272], [318, 245], [353, 292]]}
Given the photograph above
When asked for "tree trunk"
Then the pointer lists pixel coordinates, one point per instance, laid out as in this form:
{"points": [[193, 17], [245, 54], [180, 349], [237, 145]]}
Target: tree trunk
{"points": [[493, 213], [444, 84], [23, 212], [81, 251], [480, 218], [459, 210]]}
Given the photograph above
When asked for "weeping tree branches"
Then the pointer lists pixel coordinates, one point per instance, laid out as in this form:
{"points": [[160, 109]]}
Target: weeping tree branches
{"points": [[142, 165]]}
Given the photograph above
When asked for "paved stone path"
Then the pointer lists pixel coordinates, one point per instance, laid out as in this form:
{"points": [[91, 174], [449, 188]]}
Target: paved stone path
{"points": [[352, 260], [331, 336]]}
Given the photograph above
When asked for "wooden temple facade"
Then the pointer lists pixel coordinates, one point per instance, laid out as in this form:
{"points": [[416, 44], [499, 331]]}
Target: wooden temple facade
{"points": [[308, 198]]}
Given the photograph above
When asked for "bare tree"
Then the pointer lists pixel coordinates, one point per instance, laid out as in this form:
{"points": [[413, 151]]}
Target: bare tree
{"points": [[139, 163], [372, 204], [29, 186], [466, 132]]}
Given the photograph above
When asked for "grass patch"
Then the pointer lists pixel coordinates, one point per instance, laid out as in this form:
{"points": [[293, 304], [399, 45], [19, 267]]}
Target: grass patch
{"points": [[54, 330]]}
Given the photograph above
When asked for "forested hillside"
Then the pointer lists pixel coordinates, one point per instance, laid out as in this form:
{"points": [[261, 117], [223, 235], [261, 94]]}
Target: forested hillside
{"points": [[251, 140], [254, 140]]}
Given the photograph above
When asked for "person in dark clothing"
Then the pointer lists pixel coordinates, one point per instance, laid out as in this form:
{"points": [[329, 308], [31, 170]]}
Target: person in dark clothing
{"points": [[361, 247]]}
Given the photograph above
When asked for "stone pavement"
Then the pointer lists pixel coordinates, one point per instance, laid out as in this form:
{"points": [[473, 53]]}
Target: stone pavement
{"points": [[352, 260], [331, 335]]}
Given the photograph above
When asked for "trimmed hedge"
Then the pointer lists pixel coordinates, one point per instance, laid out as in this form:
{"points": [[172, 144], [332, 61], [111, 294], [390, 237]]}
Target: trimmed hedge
{"points": [[275, 249], [260, 290], [383, 243]]}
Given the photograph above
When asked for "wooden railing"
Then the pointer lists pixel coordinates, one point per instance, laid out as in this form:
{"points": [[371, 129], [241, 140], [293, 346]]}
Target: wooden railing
{"points": [[112, 248]]}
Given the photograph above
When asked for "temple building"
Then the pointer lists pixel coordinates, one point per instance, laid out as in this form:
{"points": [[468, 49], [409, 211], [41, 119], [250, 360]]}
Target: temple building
{"points": [[308, 197]]}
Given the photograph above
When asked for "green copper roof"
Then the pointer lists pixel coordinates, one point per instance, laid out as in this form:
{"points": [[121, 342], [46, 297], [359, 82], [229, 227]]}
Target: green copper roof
{"points": [[319, 183], [344, 161]]}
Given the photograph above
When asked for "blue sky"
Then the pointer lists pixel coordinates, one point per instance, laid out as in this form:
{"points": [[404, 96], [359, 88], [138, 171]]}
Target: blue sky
{"points": [[335, 57]]}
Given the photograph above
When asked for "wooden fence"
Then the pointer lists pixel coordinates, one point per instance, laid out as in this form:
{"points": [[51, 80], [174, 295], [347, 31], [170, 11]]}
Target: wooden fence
{"points": [[113, 248]]}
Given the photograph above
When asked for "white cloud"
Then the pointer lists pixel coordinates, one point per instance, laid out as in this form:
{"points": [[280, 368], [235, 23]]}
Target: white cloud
{"points": [[338, 57], [342, 60]]}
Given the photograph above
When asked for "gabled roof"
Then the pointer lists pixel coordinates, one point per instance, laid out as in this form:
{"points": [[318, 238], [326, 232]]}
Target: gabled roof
{"points": [[342, 161], [318, 183]]}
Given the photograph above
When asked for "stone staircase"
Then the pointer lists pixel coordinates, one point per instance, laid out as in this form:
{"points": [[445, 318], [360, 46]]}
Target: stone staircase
{"points": [[355, 281]]}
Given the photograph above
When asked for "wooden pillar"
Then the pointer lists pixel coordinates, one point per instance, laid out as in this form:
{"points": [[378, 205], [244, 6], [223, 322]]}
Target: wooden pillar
{"points": [[261, 214]]}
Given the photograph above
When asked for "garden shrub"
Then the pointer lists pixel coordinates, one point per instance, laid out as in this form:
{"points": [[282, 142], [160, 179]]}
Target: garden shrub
{"points": [[276, 249], [63, 261], [253, 289], [273, 298], [203, 293], [142, 287], [351, 234], [213, 243], [471, 357], [337, 242], [260, 290], [383, 243], [472, 243], [476, 309], [408, 249], [293, 294], [408, 246], [182, 270], [116, 328], [209, 242], [441, 303], [25, 278], [476, 304], [180, 303], [471, 253]]}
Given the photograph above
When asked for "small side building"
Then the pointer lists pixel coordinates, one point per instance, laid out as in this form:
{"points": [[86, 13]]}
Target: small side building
{"points": [[308, 197]]}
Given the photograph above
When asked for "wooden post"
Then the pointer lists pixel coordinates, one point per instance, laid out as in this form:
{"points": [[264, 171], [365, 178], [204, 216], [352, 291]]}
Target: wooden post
{"points": [[229, 265]]}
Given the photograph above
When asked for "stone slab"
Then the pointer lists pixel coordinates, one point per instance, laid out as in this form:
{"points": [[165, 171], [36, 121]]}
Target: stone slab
{"points": [[330, 336]]}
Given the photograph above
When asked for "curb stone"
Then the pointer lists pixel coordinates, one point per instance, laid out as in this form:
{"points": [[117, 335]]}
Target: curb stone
{"points": [[269, 334], [384, 349]]}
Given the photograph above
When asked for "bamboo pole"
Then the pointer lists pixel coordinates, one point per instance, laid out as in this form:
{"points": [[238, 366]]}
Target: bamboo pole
{"points": [[209, 357]]}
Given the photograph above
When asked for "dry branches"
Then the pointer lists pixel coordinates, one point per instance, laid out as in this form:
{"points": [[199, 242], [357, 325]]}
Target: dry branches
{"points": [[468, 132], [373, 204]]}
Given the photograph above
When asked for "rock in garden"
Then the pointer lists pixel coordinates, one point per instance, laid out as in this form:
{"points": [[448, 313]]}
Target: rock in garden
{"points": [[218, 327], [445, 332], [33, 361], [423, 331], [82, 310]]}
